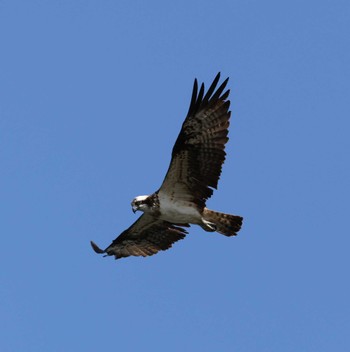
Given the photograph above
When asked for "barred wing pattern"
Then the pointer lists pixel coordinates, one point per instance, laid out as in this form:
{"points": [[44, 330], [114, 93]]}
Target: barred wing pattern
{"points": [[199, 150], [147, 236]]}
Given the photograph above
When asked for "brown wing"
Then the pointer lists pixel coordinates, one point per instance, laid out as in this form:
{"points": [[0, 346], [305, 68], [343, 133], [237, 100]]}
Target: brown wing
{"points": [[199, 150], [145, 237]]}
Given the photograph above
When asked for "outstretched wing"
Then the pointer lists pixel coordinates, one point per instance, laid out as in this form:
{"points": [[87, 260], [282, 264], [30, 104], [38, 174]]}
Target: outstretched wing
{"points": [[199, 150], [145, 237]]}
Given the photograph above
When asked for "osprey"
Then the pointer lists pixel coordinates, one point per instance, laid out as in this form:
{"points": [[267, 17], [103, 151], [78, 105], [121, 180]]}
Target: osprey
{"points": [[194, 171]]}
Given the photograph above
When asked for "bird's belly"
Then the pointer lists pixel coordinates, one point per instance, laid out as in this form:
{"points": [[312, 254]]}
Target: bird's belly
{"points": [[179, 212]]}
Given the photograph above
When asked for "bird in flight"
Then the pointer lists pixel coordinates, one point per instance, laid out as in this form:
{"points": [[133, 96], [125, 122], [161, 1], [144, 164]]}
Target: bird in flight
{"points": [[194, 171]]}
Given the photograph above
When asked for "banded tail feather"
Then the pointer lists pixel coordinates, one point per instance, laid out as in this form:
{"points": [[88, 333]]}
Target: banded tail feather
{"points": [[226, 224]]}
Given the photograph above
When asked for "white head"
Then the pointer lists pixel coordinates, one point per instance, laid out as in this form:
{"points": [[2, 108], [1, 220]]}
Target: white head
{"points": [[140, 203]]}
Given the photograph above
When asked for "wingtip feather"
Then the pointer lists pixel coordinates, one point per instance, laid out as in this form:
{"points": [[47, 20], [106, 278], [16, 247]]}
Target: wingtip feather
{"points": [[96, 248]]}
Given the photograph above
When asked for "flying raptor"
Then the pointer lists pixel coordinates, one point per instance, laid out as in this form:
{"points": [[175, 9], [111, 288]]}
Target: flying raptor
{"points": [[194, 171]]}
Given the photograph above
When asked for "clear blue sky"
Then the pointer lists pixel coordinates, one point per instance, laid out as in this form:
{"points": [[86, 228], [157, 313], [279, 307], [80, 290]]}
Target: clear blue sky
{"points": [[92, 97]]}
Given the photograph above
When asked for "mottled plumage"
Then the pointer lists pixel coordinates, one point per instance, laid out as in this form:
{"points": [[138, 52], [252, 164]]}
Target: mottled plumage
{"points": [[145, 237], [194, 171]]}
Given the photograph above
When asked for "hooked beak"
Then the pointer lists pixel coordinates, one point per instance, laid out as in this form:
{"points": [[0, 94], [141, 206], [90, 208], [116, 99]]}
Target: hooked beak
{"points": [[134, 209]]}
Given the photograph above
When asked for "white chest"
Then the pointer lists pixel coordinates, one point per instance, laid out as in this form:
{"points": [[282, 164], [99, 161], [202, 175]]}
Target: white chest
{"points": [[178, 211]]}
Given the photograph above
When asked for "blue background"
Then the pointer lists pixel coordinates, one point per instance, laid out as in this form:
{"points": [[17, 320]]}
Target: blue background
{"points": [[92, 97]]}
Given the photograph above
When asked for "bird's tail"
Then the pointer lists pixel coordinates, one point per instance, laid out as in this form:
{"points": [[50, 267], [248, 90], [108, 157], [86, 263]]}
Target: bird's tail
{"points": [[225, 224]]}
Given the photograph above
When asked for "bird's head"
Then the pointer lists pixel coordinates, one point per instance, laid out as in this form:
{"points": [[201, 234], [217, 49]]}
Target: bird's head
{"points": [[140, 203]]}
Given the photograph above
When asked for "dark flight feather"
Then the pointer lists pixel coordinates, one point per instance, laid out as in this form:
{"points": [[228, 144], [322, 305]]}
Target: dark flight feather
{"points": [[200, 146], [147, 236]]}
